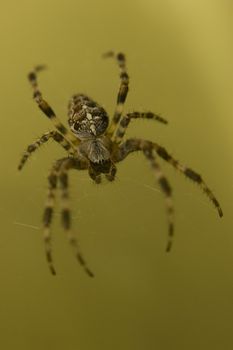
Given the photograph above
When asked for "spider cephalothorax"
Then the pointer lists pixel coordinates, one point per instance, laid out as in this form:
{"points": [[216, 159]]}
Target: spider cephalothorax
{"points": [[93, 145]]}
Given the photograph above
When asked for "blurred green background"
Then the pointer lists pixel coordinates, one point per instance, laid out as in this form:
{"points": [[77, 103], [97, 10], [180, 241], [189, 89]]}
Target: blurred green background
{"points": [[179, 57]]}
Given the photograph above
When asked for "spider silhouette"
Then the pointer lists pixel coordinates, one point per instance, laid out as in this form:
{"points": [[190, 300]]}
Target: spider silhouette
{"points": [[94, 145]]}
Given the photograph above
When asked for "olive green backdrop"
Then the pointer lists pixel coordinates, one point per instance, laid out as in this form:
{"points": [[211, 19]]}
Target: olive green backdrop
{"points": [[179, 57]]}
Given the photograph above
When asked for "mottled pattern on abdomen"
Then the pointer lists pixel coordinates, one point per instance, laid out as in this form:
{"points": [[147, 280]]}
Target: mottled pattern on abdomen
{"points": [[81, 104]]}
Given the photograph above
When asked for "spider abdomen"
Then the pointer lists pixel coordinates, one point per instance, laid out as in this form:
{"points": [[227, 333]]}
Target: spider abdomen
{"points": [[79, 102], [87, 119]]}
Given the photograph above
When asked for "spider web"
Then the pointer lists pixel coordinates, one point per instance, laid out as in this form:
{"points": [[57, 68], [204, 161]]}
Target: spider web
{"points": [[88, 193]]}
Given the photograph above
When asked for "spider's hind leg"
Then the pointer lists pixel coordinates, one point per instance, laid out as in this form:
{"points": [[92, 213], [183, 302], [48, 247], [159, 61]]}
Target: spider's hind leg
{"points": [[125, 120], [123, 90], [46, 108]]}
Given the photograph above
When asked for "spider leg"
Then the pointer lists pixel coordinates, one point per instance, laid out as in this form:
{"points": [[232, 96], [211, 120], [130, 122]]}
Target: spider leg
{"points": [[189, 173], [132, 145], [66, 213], [45, 107], [124, 122], [48, 214], [43, 139], [123, 90], [166, 189]]}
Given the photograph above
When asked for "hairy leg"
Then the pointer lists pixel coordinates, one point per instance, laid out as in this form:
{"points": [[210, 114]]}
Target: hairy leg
{"points": [[166, 189], [132, 145], [46, 108], [48, 213], [124, 123], [123, 90], [66, 213], [43, 139]]}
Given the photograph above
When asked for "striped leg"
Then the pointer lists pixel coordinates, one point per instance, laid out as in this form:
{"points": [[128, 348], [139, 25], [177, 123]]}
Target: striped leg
{"points": [[66, 214], [166, 189], [132, 145], [48, 215], [124, 123], [123, 90], [45, 107], [189, 173], [43, 139]]}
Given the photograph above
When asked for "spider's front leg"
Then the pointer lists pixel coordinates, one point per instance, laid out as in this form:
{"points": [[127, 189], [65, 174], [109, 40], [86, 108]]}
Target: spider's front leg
{"points": [[48, 213], [148, 147], [137, 145], [59, 174], [166, 189], [56, 136], [71, 163], [132, 145], [94, 175]]}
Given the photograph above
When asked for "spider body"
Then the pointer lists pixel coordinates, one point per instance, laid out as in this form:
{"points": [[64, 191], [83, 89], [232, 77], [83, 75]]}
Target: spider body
{"points": [[86, 118], [94, 145], [89, 121]]}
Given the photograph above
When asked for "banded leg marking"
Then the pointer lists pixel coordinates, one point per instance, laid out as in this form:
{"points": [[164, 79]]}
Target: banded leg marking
{"points": [[123, 90], [166, 189], [46, 108], [40, 141], [189, 173], [132, 145], [47, 217], [66, 213], [124, 123]]}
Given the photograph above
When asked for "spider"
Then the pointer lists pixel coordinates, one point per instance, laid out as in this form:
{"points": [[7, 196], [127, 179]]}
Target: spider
{"points": [[94, 145]]}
